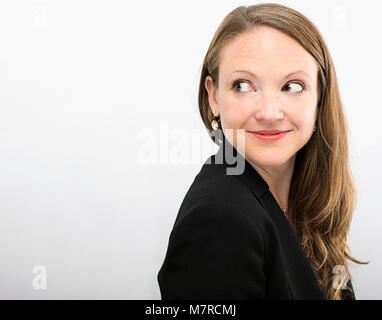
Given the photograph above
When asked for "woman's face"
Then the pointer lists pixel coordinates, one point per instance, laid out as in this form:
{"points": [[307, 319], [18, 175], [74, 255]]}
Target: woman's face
{"points": [[257, 91]]}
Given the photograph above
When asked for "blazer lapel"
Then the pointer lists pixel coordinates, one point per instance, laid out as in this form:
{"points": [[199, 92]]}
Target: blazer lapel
{"points": [[303, 283]]}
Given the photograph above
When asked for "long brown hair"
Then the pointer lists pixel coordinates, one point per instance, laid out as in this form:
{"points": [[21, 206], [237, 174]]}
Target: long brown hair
{"points": [[322, 195]]}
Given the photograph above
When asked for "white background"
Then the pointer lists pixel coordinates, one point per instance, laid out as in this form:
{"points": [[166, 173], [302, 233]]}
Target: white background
{"points": [[85, 84]]}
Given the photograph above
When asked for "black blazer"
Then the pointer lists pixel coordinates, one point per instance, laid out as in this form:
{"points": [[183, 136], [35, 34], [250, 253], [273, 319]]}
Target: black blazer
{"points": [[231, 240]]}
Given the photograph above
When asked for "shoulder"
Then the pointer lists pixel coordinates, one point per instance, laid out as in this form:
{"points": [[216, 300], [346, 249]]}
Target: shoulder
{"points": [[217, 217], [216, 248], [225, 195], [221, 229], [215, 251]]}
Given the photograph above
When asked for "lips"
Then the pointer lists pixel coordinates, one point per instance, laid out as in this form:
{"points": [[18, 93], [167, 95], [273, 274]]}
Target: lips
{"points": [[269, 132], [269, 135]]}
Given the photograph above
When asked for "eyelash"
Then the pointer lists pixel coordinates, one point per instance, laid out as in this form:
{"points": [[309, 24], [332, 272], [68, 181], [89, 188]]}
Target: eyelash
{"points": [[298, 82]]}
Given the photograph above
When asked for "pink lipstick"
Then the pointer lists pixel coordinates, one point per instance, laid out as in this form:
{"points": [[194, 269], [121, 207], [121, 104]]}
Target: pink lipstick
{"points": [[268, 135]]}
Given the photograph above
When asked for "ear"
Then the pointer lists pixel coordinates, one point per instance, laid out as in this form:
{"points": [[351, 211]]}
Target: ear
{"points": [[212, 94]]}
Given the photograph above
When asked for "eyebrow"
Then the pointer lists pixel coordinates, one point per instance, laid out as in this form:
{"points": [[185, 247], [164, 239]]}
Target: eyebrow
{"points": [[288, 75]]}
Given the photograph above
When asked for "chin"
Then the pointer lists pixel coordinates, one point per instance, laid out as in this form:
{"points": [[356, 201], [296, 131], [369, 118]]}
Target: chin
{"points": [[269, 159], [269, 164]]}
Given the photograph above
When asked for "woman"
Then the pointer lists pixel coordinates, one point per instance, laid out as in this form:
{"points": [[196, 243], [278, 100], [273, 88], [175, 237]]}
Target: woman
{"points": [[277, 229]]}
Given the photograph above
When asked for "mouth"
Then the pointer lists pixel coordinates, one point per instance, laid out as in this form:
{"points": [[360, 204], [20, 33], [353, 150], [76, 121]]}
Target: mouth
{"points": [[269, 136], [269, 132]]}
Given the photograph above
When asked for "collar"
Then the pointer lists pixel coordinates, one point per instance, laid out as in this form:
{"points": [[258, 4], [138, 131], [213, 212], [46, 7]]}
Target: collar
{"points": [[236, 164]]}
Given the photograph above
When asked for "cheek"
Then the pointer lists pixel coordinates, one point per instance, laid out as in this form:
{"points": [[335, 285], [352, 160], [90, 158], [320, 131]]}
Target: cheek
{"points": [[236, 112], [302, 114]]}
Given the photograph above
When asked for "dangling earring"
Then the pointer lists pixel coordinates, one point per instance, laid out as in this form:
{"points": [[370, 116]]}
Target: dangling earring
{"points": [[214, 124], [314, 129]]}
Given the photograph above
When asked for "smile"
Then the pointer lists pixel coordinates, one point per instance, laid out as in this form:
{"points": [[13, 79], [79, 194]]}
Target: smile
{"points": [[268, 137]]}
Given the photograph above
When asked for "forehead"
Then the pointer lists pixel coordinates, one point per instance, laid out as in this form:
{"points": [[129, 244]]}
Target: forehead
{"points": [[266, 51]]}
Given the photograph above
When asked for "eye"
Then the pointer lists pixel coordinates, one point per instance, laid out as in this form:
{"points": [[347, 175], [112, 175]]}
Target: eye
{"points": [[295, 86], [240, 84], [243, 86]]}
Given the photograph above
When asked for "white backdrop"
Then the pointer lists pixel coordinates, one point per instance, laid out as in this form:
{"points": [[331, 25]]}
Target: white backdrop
{"points": [[100, 137]]}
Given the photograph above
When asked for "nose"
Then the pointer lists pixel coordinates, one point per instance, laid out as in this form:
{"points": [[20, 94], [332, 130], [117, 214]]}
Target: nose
{"points": [[269, 108]]}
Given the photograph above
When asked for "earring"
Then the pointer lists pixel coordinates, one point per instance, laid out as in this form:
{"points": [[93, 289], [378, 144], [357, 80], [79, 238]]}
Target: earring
{"points": [[214, 124], [314, 128]]}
